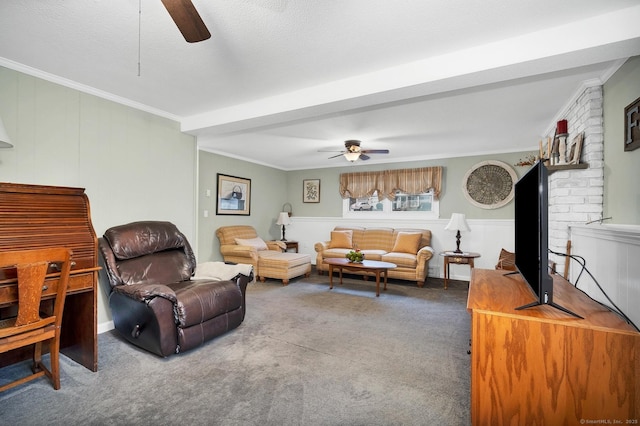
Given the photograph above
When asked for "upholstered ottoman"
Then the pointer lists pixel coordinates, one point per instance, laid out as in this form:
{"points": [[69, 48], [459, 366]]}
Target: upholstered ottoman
{"points": [[283, 265]]}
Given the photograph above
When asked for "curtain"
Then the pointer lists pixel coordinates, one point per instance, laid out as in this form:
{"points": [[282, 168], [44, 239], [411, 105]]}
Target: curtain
{"points": [[363, 184], [387, 182]]}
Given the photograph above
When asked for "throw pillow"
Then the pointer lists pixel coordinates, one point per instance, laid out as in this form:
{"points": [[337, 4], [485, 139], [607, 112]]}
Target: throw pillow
{"points": [[341, 239], [407, 243], [507, 260], [257, 242]]}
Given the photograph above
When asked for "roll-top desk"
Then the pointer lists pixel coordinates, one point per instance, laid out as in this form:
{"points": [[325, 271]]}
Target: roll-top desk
{"points": [[541, 366], [35, 216]]}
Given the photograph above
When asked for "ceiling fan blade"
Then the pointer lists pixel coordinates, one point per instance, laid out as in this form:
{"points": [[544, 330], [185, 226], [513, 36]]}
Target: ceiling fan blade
{"points": [[375, 151], [336, 156], [364, 157], [331, 150], [188, 20]]}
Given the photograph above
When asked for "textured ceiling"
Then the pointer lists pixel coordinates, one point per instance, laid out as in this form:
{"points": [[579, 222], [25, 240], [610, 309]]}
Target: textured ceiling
{"points": [[281, 79]]}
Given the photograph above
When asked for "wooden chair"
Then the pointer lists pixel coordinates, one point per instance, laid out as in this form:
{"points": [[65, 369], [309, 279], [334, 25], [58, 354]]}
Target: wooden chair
{"points": [[506, 260], [30, 267]]}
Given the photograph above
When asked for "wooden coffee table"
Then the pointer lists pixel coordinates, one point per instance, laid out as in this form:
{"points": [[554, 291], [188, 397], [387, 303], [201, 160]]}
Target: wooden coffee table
{"points": [[374, 266]]}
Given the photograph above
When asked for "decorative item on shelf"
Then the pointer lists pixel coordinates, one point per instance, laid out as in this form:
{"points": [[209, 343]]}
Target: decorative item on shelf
{"points": [[574, 150], [545, 153], [561, 127], [355, 256], [283, 220], [286, 207], [457, 223], [558, 150], [4, 137]]}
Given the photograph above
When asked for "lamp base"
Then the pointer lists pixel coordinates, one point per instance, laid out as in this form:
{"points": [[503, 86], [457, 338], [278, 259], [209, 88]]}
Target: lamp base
{"points": [[457, 250]]}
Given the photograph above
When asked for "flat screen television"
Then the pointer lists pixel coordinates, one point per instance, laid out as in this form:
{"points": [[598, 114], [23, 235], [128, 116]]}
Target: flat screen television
{"points": [[532, 235]]}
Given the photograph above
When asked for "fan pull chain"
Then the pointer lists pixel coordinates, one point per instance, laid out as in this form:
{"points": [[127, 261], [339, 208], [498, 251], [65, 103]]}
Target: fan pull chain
{"points": [[139, 32]]}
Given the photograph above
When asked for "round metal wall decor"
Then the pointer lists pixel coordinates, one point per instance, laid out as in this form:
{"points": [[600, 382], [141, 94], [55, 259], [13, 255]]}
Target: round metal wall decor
{"points": [[489, 184]]}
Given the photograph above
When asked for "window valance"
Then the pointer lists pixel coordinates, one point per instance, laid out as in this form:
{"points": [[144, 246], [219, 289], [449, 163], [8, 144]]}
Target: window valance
{"points": [[387, 182]]}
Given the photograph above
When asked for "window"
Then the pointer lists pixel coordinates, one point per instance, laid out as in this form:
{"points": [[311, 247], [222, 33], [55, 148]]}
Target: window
{"points": [[404, 205]]}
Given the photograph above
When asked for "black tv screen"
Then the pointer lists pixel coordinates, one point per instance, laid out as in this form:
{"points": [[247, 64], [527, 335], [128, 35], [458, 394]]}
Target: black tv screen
{"points": [[531, 231], [532, 234]]}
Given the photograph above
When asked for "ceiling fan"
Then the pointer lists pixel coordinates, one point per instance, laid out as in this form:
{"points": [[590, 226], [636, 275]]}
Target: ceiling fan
{"points": [[353, 152], [188, 20]]}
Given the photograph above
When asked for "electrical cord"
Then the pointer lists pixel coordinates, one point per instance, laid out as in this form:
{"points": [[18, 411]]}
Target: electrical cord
{"points": [[583, 263]]}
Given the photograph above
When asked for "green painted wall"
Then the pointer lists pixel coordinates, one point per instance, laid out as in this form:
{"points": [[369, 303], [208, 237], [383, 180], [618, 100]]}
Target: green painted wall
{"points": [[134, 165], [268, 194], [621, 168], [272, 188], [452, 198]]}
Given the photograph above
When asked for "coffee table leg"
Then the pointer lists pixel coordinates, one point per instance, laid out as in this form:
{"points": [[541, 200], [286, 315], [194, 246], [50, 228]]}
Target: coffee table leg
{"points": [[330, 277], [377, 283], [385, 279], [446, 272]]}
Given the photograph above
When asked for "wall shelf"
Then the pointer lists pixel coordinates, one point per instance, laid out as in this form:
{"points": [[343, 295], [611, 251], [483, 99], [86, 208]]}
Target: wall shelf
{"points": [[552, 169]]}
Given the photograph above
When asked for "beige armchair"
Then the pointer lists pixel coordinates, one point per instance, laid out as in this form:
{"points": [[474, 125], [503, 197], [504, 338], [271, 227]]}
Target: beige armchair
{"points": [[241, 244]]}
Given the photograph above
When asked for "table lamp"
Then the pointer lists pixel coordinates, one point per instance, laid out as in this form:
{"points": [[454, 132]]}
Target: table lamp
{"points": [[457, 223], [283, 219]]}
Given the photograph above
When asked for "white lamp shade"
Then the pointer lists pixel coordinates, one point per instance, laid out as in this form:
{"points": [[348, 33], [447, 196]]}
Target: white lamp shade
{"points": [[458, 222], [283, 219], [352, 156], [4, 137]]}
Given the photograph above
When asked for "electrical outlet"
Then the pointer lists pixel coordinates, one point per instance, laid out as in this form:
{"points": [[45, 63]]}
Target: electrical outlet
{"points": [[206, 213]]}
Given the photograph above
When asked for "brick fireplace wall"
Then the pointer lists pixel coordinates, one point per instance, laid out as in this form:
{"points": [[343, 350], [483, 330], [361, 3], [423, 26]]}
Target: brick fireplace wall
{"points": [[576, 196]]}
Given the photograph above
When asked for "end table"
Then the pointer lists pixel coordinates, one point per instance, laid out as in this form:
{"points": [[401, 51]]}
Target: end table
{"points": [[291, 245], [464, 258]]}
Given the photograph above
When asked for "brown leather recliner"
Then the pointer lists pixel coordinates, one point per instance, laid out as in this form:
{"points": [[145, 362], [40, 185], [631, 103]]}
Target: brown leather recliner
{"points": [[154, 302]]}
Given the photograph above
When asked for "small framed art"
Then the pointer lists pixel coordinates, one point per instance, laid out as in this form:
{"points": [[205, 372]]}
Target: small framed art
{"points": [[575, 150], [311, 191], [234, 195]]}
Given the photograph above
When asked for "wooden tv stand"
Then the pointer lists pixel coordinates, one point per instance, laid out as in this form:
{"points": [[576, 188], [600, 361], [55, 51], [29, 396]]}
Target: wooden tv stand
{"points": [[542, 366]]}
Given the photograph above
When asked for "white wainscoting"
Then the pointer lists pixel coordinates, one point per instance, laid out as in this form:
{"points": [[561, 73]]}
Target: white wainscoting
{"points": [[486, 237], [612, 255]]}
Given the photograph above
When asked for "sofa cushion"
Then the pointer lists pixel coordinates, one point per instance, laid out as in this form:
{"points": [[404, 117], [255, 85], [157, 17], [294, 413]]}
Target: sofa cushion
{"points": [[335, 252], [377, 239], [403, 260], [257, 242], [407, 243], [341, 239], [374, 254]]}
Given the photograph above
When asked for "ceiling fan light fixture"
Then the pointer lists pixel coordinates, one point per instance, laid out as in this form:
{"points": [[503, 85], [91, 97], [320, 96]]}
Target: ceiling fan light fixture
{"points": [[352, 156]]}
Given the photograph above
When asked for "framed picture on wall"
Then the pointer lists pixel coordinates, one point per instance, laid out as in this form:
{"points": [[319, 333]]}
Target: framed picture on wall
{"points": [[234, 195], [311, 191]]}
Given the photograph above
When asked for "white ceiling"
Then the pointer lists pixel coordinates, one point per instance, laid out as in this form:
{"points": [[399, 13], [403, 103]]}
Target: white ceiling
{"points": [[281, 79]]}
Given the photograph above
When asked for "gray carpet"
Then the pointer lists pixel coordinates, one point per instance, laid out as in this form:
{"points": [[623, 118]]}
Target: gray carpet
{"points": [[305, 355]]}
